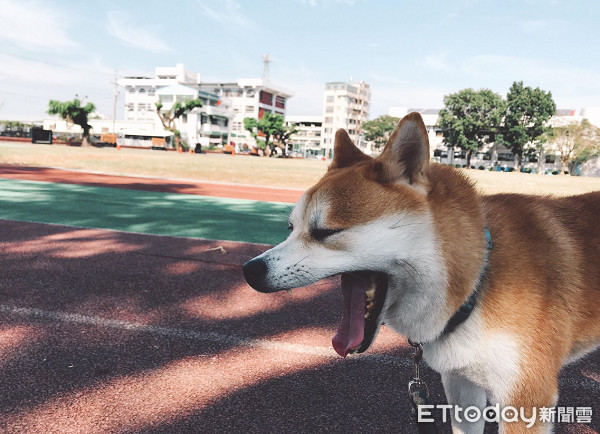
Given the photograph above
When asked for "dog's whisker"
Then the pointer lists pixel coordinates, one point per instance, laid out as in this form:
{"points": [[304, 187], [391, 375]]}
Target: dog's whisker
{"points": [[281, 200], [297, 263], [406, 263]]}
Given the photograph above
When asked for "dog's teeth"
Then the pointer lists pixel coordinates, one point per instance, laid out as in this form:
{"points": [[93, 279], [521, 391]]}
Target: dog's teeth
{"points": [[367, 315], [370, 294], [289, 291]]}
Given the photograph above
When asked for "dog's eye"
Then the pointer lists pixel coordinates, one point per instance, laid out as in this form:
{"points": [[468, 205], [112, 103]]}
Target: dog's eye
{"points": [[321, 234]]}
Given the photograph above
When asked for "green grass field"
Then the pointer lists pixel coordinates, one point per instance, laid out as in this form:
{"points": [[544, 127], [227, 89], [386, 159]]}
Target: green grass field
{"points": [[294, 173]]}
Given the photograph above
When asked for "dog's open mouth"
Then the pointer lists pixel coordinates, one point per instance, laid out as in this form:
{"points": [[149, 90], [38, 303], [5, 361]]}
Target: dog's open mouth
{"points": [[364, 297]]}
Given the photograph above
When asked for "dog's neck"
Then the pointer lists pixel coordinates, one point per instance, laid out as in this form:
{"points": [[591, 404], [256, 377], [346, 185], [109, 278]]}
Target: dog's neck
{"points": [[451, 270], [461, 236]]}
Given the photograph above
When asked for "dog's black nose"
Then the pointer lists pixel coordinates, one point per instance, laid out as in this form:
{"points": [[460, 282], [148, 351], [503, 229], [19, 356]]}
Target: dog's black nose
{"points": [[255, 271]]}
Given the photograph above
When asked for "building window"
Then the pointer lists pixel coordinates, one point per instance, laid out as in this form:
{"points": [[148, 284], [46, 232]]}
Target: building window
{"points": [[261, 112], [130, 107], [329, 109], [550, 159], [184, 119], [330, 98], [280, 102], [142, 90], [249, 109], [250, 93], [265, 97], [328, 120]]}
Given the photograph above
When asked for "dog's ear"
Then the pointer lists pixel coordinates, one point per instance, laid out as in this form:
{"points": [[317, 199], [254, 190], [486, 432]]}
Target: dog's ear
{"points": [[345, 153], [406, 154]]}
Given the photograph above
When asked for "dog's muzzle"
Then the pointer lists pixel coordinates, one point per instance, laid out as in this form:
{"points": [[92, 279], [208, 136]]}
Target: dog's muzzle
{"points": [[255, 272]]}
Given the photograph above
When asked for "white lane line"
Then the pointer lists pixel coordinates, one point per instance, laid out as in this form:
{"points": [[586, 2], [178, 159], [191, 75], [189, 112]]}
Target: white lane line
{"points": [[219, 338]]}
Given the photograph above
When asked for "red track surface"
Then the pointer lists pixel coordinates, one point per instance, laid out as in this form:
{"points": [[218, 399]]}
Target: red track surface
{"points": [[103, 331], [150, 184]]}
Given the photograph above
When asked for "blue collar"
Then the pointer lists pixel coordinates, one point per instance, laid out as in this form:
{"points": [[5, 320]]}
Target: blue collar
{"points": [[463, 312]]}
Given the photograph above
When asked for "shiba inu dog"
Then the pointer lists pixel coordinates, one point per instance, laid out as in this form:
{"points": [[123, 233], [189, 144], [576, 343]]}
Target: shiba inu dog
{"points": [[411, 241]]}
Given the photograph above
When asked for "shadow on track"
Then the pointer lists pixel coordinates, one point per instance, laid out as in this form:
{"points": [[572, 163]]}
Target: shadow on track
{"points": [[56, 373]]}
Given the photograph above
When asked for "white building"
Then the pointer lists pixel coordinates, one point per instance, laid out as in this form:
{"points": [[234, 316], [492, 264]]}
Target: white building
{"points": [[345, 105], [592, 114], [140, 91], [99, 126], [207, 125], [307, 141], [250, 98]]}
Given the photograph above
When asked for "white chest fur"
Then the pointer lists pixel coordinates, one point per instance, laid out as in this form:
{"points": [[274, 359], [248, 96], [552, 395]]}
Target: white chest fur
{"points": [[488, 358]]}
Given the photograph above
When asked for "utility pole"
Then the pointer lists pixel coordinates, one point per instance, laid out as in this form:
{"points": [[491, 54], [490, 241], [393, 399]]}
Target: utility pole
{"points": [[266, 60], [115, 95]]}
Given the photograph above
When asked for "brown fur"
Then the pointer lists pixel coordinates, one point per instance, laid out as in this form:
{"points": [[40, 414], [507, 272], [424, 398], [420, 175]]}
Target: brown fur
{"points": [[542, 279], [542, 282]]}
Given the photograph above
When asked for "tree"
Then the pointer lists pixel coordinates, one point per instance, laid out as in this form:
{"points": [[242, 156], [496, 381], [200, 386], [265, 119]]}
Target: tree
{"points": [[251, 125], [168, 117], [380, 129], [284, 135], [269, 126], [525, 122], [15, 128], [470, 119], [73, 112], [576, 142]]}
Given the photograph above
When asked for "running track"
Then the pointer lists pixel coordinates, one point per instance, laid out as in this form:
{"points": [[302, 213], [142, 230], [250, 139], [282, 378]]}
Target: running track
{"points": [[112, 331]]}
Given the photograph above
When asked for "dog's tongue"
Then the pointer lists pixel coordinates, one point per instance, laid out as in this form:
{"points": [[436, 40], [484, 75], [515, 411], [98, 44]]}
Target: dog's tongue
{"points": [[351, 330]]}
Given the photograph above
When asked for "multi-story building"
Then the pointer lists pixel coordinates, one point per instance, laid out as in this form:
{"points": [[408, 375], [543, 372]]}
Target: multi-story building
{"points": [[140, 91], [307, 141], [345, 105], [208, 125], [251, 98], [226, 104]]}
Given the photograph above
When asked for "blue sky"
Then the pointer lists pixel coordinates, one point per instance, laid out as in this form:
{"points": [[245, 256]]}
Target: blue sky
{"points": [[411, 52]]}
